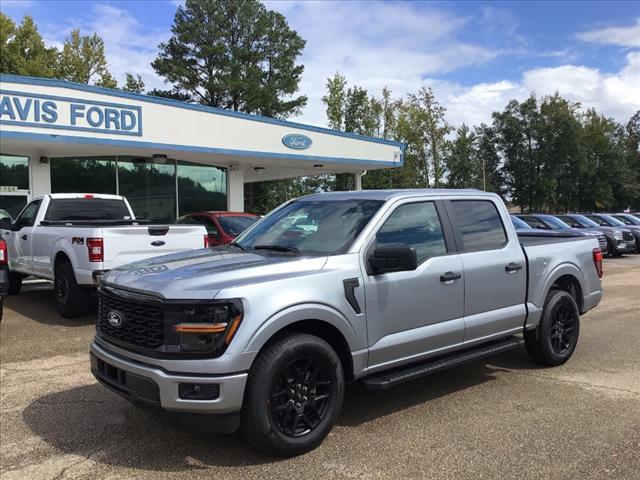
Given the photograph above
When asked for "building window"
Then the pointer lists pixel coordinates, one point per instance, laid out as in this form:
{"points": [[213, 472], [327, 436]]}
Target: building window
{"points": [[14, 172], [83, 175], [150, 187], [157, 189], [201, 187], [14, 184]]}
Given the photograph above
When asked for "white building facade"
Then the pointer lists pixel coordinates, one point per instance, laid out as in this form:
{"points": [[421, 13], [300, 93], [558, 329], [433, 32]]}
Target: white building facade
{"points": [[167, 157]]}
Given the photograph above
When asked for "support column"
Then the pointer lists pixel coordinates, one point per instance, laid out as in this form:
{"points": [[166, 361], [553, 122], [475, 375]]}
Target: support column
{"points": [[358, 176], [235, 189]]}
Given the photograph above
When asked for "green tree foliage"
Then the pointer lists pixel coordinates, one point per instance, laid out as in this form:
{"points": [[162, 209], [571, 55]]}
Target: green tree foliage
{"points": [[133, 84], [488, 160], [22, 49], [461, 162], [82, 60], [233, 54]]}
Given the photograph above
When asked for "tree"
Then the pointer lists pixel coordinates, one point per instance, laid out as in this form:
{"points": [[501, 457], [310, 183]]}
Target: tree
{"points": [[334, 101], [428, 118], [83, 60], [460, 160], [22, 49], [133, 84], [488, 160], [233, 54]]}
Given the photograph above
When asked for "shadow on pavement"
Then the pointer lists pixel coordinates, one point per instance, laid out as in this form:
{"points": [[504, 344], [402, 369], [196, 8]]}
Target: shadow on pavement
{"points": [[93, 422], [36, 302]]}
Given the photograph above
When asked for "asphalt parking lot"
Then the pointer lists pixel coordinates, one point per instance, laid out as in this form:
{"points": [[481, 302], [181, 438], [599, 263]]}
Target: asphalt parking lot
{"points": [[504, 418]]}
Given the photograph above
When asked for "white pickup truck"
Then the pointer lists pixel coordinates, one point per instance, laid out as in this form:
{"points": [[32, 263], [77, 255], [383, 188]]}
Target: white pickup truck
{"points": [[73, 239]]}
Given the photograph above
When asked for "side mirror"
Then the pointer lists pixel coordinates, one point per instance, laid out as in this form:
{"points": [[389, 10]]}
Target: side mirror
{"points": [[392, 259]]}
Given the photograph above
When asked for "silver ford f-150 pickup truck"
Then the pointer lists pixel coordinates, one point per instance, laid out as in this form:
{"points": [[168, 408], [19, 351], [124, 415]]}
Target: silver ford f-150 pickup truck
{"points": [[377, 286]]}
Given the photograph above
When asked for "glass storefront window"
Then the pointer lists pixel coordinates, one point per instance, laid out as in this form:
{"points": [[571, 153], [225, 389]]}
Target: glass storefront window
{"points": [[150, 187], [200, 188], [83, 175], [14, 172], [149, 184]]}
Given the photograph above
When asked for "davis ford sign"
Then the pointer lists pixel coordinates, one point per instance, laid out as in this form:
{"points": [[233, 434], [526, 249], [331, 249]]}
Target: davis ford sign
{"points": [[297, 141], [49, 111]]}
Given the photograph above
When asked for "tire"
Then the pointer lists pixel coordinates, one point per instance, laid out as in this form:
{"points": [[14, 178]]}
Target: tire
{"points": [[279, 416], [72, 300], [15, 283], [554, 340]]}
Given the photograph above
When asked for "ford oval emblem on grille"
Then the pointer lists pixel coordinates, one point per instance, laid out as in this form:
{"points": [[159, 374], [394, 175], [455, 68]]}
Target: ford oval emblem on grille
{"points": [[158, 243], [114, 318]]}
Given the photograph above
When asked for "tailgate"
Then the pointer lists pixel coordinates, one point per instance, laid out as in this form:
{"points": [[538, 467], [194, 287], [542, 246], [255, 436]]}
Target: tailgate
{"points": [[129, 244]]}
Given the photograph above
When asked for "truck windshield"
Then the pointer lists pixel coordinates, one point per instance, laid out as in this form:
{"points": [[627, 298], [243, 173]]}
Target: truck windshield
{"points": [[70, 209], [585, 222], [311, 227]]}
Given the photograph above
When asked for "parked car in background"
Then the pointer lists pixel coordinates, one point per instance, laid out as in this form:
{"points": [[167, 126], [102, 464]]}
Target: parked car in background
{"points": [[630, 235], [550, 223], [379, 286], [519, 224], [631, 222], [4, 273], [73, 239], [222, 227], [616, 244]]}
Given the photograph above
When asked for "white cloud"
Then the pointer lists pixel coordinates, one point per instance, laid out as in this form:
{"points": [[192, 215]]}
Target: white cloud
{"points": [[616, 95], [376, 44], [621, 36], [130, 46]]}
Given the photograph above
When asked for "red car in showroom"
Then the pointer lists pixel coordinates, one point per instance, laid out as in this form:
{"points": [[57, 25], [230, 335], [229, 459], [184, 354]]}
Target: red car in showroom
{"points": [[222, 227]]}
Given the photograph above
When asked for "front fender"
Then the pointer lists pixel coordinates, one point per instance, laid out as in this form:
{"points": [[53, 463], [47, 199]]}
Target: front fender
{"points": [[297, 313]]}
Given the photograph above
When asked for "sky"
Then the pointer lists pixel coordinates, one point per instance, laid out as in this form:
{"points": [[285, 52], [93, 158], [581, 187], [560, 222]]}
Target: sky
{"points": [[475, 55]]}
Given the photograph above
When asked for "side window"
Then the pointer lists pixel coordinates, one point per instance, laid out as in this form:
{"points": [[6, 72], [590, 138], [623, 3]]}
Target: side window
{"points": [[480, 224], [414, 225], [209, 225], [28, 216], [570, 221]]}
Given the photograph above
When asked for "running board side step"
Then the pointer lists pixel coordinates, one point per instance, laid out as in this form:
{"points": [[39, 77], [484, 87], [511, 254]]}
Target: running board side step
{"points": [[388, 379]]}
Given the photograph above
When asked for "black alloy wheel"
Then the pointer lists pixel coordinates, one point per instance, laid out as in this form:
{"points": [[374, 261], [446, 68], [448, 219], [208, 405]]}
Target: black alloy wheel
{"points": [[300, 397], [562, 329]]}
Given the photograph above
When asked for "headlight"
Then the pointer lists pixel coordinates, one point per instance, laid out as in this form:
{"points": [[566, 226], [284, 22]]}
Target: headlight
{"points": [[209, 327], [617, 235]]}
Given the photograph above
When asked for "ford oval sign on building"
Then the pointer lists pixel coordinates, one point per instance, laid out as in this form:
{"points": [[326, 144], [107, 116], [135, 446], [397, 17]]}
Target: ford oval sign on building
{"points": [[297, 141]]}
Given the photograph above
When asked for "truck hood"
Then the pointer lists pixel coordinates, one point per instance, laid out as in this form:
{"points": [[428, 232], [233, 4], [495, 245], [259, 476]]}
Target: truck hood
{"points": [[201, 274]]}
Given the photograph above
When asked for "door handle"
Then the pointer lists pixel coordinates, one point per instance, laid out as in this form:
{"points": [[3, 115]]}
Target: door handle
{"points": [[23, 237], [450, 277], [513, 267]]}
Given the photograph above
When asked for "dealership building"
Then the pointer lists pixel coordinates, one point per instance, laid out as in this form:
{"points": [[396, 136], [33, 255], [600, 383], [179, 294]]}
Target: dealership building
{"points": [[167, 157]]}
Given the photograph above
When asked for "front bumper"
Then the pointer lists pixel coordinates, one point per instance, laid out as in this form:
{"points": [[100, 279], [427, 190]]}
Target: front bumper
{"points": [[151, 386]]}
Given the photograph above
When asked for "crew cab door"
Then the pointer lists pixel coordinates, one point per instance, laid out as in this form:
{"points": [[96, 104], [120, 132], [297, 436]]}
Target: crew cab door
{"points": [[494, 268], [412, 313], [19, 238]]}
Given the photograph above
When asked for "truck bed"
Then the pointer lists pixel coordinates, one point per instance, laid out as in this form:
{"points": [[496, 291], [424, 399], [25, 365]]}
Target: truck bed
{"points": [[529, 240]]}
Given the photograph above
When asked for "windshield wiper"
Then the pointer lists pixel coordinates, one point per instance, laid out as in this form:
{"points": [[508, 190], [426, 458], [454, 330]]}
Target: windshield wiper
{"points": [[277, 248]]}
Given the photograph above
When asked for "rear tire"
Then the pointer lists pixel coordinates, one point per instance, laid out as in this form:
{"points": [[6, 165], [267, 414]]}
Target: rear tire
{"points": [[72, 300], [293, 396], [553, 342], [15, 283]]}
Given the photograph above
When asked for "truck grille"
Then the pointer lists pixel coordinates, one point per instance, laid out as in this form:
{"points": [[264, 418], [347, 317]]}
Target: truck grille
{"points": [[132, 322], [602, 242], [628, 236]]}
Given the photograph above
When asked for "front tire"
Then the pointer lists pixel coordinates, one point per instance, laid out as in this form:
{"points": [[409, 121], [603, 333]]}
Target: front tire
{"points": [[553, 342], [293, 396], [72, 300]]}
